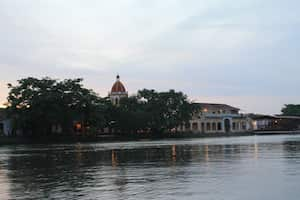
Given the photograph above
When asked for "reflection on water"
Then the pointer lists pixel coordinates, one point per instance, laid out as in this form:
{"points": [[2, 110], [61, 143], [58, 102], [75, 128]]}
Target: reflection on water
{"points": [[265, 167]]}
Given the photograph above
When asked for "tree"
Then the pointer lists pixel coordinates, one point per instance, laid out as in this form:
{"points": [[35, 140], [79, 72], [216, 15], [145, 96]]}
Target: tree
{"points": [[150, 112], [291, 109], [35, 105], [166, 110], [131, 115]]}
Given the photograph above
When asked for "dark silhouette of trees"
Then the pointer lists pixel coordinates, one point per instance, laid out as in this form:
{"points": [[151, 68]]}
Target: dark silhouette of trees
{"points": [[38, 105], [166, 110], [152, 112], [291, 110]]}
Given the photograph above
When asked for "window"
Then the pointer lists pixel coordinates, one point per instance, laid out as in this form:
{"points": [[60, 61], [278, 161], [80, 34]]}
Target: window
{"points": [[202, 127], [244, 127], [238, 126], [219, 126], [195, 126], [214, 126], [233, 125], [208, 126], [1, 128], [234, 112]]}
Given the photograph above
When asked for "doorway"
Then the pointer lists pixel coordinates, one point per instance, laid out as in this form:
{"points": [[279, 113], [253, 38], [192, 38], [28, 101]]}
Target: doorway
{"points": [[1, 128], [227, 125]]}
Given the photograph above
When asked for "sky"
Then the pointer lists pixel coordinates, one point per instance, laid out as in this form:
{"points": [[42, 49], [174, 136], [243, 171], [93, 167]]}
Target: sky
{"points": [[243, 53]]}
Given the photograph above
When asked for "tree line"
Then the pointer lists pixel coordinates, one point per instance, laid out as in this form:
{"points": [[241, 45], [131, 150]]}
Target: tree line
{"points": [[38, 107], [291, 109]]}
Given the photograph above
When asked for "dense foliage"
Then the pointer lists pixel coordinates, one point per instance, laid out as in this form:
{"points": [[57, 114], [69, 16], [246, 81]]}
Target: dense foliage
{"points": [[291, 109], [154, 112], [38, 105]]}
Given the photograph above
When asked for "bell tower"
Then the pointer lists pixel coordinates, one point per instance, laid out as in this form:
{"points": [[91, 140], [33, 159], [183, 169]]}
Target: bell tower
{"points": [[118, 91]]}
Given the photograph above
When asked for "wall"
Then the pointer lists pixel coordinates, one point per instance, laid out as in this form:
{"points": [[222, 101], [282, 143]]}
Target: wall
{"points": [[215, 125], [7, 128]]}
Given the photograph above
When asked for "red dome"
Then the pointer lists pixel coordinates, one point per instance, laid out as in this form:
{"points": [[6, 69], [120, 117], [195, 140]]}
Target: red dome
{"points": [[118, 86]]}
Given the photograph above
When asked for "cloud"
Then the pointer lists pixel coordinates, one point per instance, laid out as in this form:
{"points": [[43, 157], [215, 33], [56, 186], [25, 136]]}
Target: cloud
{"points": [[204, 48]]}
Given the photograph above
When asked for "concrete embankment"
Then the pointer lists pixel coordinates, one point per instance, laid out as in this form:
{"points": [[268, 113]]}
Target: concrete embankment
{"points": [[130, 137], [276, 132]]}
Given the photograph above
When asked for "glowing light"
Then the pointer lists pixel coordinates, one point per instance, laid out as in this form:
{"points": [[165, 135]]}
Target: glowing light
{"points": [[78, 126]]}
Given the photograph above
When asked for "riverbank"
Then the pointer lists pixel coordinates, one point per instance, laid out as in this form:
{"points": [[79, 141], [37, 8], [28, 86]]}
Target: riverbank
{"points": [[121, 138]]}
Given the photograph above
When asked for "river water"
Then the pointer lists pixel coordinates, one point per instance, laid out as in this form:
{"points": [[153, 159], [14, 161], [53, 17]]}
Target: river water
{"points": [[255, 167]]}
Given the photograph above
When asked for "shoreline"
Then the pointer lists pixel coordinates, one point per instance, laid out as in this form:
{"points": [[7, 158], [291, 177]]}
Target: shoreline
{"points": [[18, 140]]}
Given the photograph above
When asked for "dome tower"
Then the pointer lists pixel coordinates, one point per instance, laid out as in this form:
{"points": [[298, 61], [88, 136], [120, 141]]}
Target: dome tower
{"points": [[118, 91]]}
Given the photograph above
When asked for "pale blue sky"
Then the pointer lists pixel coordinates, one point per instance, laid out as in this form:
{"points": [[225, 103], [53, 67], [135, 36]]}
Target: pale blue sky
{"points": [[244, 53]]}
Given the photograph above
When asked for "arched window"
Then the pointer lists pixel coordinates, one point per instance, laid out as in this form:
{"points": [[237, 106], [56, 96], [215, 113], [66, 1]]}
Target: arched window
{"points": [[227, 125], [233, 125], [219, 126], [195, 126], [1, 128], [244, 126], [202, 127], [214, 126], [208, 126]]}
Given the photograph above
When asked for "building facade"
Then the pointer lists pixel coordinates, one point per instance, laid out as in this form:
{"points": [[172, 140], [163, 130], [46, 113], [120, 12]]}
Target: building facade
{"points": [[277, 122], [217, 118]]}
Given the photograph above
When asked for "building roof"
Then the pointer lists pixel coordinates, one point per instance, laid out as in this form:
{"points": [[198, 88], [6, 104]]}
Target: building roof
{"points": [[260, 116], [118, 86], [216, 106], [287, 117]]}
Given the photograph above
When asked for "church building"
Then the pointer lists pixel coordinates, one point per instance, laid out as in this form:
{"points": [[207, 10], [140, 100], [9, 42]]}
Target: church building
{"points": [[210, 117], [117, 92]]}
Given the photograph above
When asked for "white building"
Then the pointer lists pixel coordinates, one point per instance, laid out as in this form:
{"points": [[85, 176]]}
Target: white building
{"points": [[262, 122], [217, 118]]}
